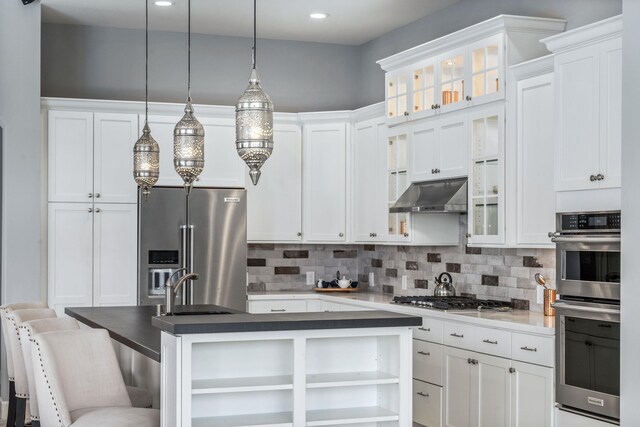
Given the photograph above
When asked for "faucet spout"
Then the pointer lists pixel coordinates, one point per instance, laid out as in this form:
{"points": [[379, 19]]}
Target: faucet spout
{"points": [[171, 290]]}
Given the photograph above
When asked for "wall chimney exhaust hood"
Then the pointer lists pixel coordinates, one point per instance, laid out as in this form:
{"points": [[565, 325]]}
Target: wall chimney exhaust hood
{"points": [[448, 195]]}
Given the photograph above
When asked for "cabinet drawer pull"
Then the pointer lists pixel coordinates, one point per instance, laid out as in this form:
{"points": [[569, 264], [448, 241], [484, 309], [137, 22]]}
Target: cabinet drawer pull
{"points": [[276, 310], [525, 348], [456, 335], [422, 394], [425, 329], [490, 342], [424, 353]]}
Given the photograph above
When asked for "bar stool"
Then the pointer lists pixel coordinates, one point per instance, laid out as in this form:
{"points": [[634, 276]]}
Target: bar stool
{"points": [[140, 397], [11, 414], [14, 318], [79, 383]]}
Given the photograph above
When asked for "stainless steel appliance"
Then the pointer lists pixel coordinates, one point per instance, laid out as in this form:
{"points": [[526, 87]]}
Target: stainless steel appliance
{"points": [[588, 313], [218, 218], [451, 303]]}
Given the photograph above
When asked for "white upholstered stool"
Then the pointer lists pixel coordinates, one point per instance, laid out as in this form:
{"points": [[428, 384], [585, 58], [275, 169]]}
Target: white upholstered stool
{"points": [[140, 397], [79, 383], [14, 318], [11, 415]]}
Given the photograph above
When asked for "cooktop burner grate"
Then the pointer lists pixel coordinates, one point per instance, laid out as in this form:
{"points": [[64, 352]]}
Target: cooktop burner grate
{"points": [[450, 303]]}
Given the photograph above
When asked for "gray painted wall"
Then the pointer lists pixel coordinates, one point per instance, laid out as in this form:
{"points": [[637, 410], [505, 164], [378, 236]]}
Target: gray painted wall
{"points": [[22, 206], [630, 332], [461, 15], [107, 63]]}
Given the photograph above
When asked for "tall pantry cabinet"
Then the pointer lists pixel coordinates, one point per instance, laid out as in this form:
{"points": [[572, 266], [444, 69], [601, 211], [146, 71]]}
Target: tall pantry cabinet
{"points": [[92, 209]]}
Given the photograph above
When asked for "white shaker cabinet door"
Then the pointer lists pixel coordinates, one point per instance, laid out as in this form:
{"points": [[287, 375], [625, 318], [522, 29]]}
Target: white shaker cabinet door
{"points": [[115, 254], [457, 404], [162, 131], [577, 124], [70, 154], [494, 391], [425, 151], [324, 170], [453, 160], [222, 165], [532, 398], [70, 250], [114, 137], [610, 113], [274, 206]]}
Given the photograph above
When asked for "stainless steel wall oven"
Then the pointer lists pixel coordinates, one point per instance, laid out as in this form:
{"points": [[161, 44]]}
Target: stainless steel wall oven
{"points": [[588, 313]]}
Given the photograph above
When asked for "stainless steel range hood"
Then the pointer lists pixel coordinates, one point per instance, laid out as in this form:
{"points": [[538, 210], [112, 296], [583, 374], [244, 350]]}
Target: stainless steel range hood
{"points": [[448, 195]]}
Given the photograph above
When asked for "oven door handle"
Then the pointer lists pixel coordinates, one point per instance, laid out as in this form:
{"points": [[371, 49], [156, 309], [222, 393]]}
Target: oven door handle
{"points": [[566, 306], [584, 239]]}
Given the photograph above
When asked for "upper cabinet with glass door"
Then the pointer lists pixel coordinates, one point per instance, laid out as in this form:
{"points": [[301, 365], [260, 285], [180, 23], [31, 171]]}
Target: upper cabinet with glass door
{"points": [[462, 69]]}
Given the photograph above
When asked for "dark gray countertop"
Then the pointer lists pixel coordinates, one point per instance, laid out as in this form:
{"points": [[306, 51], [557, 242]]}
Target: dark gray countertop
{"points": [[138, 328]]}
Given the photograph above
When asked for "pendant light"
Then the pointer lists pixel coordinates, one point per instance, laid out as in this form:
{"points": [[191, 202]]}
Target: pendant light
{"points": [[254, 120], [188, 135], [146, 152]]}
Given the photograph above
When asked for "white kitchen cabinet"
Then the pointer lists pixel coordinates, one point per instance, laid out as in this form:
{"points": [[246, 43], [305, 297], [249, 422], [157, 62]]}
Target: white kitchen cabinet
{"points": [[427, 404], [274, 206], [324, 182], [439, 148], [486, 176], [86, 153], [477, 389], [222, 167], [588, 88], [369, 180], [531, 395], [397, 181], [92, 254], [277, 306]]}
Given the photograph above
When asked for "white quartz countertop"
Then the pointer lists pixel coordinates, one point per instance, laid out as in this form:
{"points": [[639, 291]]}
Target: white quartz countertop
{"points": [[515, 320]]}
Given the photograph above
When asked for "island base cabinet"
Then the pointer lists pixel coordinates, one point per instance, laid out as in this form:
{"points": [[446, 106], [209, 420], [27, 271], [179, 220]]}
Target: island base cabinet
{"points": [[427, 404], [329, 377]]}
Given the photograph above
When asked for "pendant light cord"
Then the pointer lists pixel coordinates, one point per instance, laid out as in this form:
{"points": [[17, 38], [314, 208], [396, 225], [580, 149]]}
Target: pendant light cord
{"points": [[146, 62], [254, 35], [189, 51]]}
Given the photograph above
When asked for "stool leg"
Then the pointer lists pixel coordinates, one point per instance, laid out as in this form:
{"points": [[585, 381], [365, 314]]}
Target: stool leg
{"points": [[21, 411], [11, 415]]}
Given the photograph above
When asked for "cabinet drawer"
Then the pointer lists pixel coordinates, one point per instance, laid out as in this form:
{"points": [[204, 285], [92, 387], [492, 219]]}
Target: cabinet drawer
{"points": [[278, 306], [533, 349], [427, 406], [431, 330], [427, 362], [477, 338]]}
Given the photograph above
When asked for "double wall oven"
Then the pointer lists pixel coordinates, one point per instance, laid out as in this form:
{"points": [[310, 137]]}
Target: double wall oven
{"points": [[588, 313]]}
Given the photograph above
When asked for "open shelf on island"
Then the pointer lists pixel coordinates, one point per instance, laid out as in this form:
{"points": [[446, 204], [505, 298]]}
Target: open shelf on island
{"points": [[237, 385], [331, 417], [278, 419], [346, 379]]}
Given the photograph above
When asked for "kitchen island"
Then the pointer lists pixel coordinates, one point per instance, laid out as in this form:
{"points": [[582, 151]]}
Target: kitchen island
{"points": [[290, 369]]}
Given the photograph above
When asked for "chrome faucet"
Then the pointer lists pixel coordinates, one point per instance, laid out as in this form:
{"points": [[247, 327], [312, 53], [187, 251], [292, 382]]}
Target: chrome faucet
{"points": [[171, 290]]}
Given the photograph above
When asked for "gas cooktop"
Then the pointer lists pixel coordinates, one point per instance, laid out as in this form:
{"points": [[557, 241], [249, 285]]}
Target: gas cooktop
{"points": [[452, 303]]}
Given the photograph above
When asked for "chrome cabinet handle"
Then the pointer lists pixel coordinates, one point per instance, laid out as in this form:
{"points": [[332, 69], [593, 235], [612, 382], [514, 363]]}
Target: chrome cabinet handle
{"points": [[599, 177], [89, 210], [592, 178], [553, 234], [277, 310], [97, 210], [424, 353], [512, 370], [490, 342], [340, 234], [456, 335], [525, 348], [90, 195], [422, 394], [425, 329]]}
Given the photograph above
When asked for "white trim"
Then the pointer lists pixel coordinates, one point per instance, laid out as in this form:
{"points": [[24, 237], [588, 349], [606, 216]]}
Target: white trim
{"points": [[588, 34], [325, 116], [470, 34], [532, 68], [373, 111]]}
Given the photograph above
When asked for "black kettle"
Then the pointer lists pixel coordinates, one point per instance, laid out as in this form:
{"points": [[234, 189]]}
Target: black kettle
{"points": [[444, 286]]}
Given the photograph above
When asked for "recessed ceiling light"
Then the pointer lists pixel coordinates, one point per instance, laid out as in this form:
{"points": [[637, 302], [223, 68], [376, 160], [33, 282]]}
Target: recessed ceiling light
{"points": [[163, 3], [318, 15]]}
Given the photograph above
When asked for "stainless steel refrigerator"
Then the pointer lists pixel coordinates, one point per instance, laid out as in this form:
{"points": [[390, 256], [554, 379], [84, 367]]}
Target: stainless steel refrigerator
{"points": [[219, 255]]}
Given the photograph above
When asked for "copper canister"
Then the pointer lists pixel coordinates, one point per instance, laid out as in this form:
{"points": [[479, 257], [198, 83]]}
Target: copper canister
{"points": [[549, 298]]}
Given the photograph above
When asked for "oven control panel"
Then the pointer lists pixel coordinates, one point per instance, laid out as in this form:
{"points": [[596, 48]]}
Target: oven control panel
{"points": [[604, 221]]}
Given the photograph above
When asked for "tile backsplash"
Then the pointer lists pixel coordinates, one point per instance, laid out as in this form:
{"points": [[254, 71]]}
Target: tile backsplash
{"points": [[505, 274]]}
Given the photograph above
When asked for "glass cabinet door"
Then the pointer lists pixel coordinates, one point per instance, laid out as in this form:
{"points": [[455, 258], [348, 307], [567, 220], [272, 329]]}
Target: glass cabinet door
{"points": [[486, 192], [424, 88], [397, 95], [486, 70], [397, 183], [452, 75]]}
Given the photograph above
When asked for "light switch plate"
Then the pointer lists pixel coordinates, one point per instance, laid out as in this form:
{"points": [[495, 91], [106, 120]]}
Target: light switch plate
{"points": [[372, 277], [311, 278], [404, 282], [539, 294]]}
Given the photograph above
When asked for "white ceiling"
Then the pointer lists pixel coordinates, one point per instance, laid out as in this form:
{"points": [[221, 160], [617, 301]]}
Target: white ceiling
{"points": [[350, 21]]}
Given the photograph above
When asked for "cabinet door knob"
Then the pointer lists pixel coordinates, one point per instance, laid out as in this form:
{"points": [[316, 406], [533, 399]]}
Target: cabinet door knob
{"points": [[299, 234], [406, 234], [599, 177], [89, 210], [406, 113], [468, 98], [592, 178], [468, 235], [512, 370], [433, 106], [433, 171], [97, 195], [90, 195], [370, 234], [340, 234], [97, 210], [469, 361]]}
